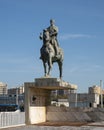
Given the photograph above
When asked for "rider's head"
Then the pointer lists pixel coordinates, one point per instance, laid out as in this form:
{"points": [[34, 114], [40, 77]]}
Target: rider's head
{"points": [[52, 21]]}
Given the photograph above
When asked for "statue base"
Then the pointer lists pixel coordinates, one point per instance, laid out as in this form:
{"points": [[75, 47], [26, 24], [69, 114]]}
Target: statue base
{"points": [[37, 97]]}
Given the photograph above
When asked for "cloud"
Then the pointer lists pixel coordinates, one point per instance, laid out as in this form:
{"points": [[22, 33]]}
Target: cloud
{"points": [[85, 68], [16, 65], [75, 36], [74, 69], [13, 60]]}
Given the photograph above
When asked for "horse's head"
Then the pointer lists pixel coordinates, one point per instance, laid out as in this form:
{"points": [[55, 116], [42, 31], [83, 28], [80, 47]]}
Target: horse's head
{"points": [[46, 36]]}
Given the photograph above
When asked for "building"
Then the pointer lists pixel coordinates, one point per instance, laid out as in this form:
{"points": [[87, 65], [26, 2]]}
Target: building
{"points": [[11, 98], [78, 100], [60, 102], [94, 90], [17, 94], [16, 91], [90, 99], [64, 93], [5, 99], [3, 88], [94, 95]]}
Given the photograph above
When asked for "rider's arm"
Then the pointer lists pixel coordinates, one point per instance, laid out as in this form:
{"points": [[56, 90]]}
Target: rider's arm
{"points": [[55, 31]]}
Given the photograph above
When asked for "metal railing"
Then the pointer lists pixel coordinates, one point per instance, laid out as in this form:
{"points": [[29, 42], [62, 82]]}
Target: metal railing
{"points": [[8, 119]]}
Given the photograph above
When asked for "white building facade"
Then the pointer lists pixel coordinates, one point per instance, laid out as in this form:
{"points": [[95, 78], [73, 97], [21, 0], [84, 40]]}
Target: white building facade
{"points": [[3, 88], [90, 99]]}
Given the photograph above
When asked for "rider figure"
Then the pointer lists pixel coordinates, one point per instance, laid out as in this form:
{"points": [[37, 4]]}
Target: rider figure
{"points": [[53, 31]]}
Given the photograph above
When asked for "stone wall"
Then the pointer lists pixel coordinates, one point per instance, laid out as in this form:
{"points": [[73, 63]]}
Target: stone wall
{"points": [[74, 114]]}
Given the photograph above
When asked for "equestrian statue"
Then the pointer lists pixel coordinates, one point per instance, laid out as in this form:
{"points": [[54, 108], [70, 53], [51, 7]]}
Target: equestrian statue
{"points": [[50, 51]]}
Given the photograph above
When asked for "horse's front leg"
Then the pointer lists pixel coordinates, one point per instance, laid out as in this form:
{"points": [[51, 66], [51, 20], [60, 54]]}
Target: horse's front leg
{"points": [[45, 68], [49, 65]]}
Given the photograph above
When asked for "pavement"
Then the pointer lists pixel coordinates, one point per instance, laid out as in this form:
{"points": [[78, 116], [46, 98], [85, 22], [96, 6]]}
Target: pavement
{"points": [[61, 126]]}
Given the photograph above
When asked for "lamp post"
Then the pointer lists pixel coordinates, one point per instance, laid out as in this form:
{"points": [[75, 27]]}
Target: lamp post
{"points": [[101, 94], [17, 96], [76, 99]]}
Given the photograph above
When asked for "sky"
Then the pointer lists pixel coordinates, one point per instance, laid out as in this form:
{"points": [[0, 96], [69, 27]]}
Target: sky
{"points": [[81, 36]]}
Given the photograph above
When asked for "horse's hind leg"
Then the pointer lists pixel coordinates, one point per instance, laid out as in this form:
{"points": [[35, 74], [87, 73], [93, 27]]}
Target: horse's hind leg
{"points": [[60, 63]]}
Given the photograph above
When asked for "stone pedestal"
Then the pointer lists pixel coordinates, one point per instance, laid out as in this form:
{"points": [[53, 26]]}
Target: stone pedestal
{"points": [[37, 97]]}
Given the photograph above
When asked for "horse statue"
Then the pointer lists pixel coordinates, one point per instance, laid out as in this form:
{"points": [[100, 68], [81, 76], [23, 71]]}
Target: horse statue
{"points": [[48, 55]]}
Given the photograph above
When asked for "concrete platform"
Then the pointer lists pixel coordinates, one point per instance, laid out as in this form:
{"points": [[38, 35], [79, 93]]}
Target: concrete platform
{"points": [[51, 84], [60, 126]]}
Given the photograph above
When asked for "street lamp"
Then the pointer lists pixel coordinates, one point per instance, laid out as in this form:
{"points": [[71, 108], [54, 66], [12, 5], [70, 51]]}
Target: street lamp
{"points": [[17, 96], [76, 99], [101, 94]]}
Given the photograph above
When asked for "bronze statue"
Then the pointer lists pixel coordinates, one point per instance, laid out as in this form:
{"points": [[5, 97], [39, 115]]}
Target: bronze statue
{"points": [[50, 51]]}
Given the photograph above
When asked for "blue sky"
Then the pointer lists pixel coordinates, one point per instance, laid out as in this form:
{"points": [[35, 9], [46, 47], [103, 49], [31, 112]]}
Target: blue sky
{"points": [[81, 35]]}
